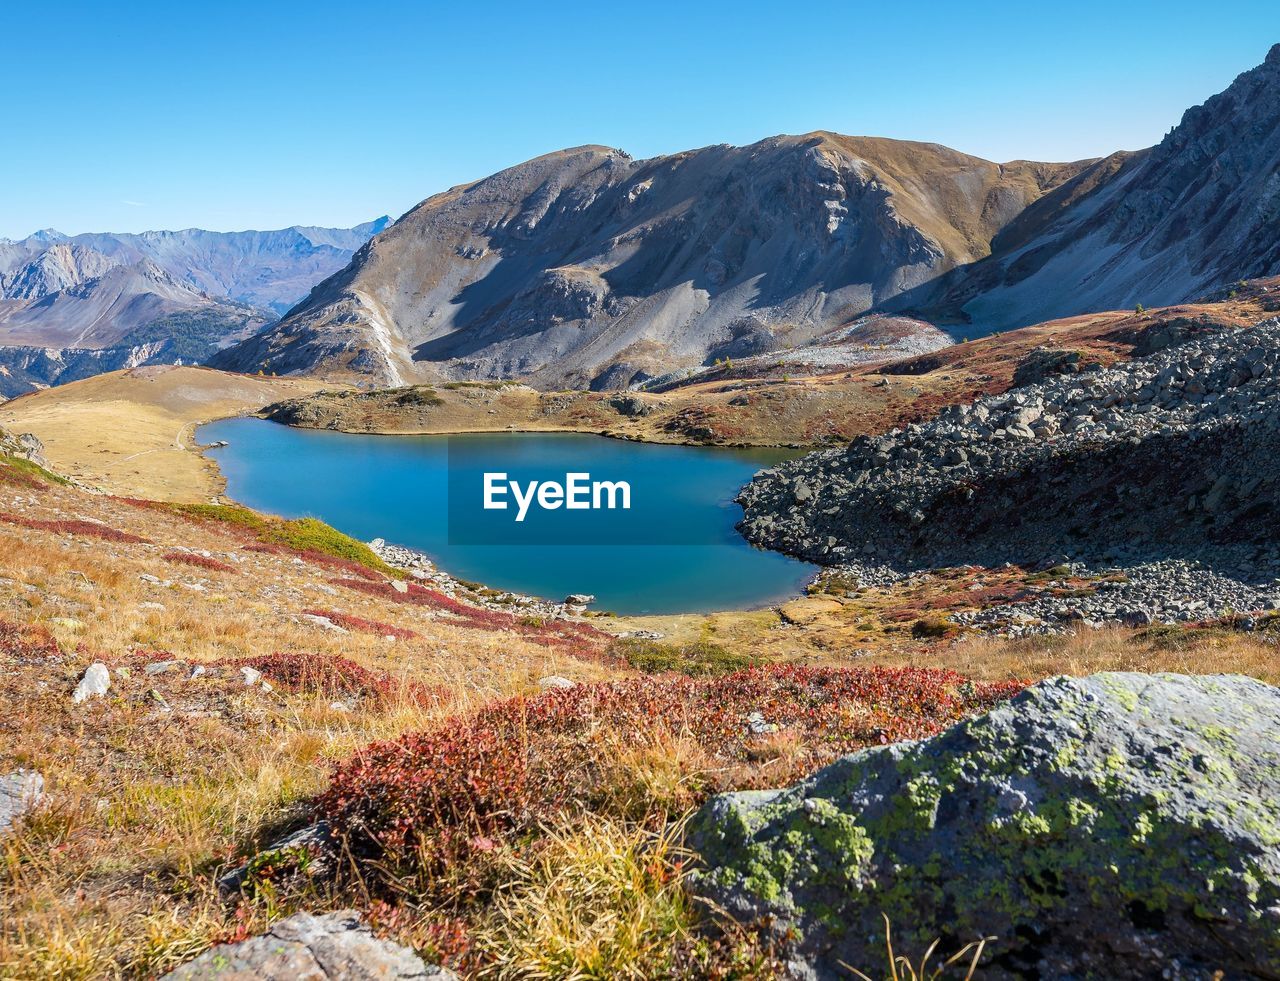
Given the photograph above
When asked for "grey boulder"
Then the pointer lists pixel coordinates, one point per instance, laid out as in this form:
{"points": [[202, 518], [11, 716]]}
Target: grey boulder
{"points": [[20, 791], [1120, 825], [95, 682], [307, 947]]}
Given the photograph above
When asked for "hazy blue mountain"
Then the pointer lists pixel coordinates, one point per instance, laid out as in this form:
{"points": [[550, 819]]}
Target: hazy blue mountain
{"points": [[272, 270], [72, 305]]}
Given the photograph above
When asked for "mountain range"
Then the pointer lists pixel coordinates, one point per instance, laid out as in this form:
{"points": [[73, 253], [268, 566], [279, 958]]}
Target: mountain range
{"points": [[588, 268], [77, 305]]}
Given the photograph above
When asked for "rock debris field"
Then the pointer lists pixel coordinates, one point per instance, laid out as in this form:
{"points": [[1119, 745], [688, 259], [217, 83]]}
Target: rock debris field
{"points": [[1158, 478]]}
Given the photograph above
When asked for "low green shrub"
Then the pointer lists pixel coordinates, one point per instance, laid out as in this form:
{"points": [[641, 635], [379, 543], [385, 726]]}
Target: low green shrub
{"points": [[421, 396], [932, 627], [698, 659], [309, 535], [25, 468]]}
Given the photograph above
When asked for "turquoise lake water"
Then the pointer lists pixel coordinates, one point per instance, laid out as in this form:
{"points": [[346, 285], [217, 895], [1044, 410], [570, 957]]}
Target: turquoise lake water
{"points": [[674, 550]]}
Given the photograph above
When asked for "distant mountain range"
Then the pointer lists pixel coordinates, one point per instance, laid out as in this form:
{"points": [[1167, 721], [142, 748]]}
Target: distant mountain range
{"points": [[588, 268], [71, 306]]}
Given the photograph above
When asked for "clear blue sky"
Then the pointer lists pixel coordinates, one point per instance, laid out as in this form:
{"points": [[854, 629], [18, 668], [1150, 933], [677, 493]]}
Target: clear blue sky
{"points": [[229, 115]]}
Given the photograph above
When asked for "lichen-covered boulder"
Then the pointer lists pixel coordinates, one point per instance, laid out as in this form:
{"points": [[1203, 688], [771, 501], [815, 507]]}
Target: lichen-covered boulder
{"points": [[307, 947], [1119, 826]]}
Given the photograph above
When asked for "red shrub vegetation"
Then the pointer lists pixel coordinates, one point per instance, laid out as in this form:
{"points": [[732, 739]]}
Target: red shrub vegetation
{"points": [[337, 677], [89, 529], [319, 558], [17, 478], [577, 639], [26, 643], [429, 802], [202, 561], [349, 622]]}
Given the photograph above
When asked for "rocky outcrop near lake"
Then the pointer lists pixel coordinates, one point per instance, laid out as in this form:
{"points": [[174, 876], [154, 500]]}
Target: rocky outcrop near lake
{"points": [[1120, 826], [1175, 456]]}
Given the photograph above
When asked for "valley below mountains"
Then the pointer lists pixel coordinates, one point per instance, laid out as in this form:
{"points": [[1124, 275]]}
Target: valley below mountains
{"points": [[1021, 720]]}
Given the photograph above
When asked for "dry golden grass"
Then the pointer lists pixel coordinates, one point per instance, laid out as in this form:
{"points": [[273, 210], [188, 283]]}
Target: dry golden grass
{"points": [[1183, 650], [208, 614], [661, 775], [130, 432], [116, 875], [900, 967], [149, 800], [602, 899], [878, 627]]}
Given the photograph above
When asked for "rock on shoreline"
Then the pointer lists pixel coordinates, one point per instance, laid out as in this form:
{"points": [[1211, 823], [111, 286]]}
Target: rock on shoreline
{"points": [[424, 570]]}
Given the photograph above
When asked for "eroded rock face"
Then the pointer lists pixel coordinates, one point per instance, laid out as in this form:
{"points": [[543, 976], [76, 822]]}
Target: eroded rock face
{"points": [[305, 947], [1156, 227], [1119, 825]]}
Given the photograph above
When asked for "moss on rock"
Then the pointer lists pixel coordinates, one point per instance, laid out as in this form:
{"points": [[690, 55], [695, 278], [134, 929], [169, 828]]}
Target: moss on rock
{"points": [[1111, 823]]}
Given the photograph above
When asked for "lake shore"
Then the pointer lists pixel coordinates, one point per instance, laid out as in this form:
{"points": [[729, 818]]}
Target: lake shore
{"points": [[131, 433], [673, 548]]}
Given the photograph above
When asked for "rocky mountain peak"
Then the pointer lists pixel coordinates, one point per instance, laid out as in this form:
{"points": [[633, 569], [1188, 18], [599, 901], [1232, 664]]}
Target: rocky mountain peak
{"points": [[587, 263], [1195, 213], [61, 266]]}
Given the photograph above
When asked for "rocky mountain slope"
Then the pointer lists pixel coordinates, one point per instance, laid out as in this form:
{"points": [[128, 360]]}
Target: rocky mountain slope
{"points": [[72, 306], [1163, 468], [587, 267], [1200, 210], [852, 382]]}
